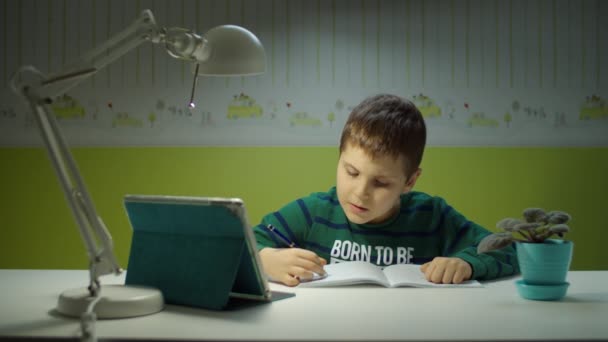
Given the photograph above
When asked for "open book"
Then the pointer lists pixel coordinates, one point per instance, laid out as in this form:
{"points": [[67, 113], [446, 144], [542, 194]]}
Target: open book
{"points": [[362, 272]]}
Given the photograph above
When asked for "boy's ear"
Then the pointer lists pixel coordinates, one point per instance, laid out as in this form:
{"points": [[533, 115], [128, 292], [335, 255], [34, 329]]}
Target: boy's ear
{"points": [[412, 181]]}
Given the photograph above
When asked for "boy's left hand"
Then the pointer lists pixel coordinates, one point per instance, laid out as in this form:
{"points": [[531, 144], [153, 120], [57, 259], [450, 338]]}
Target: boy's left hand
{"points": [[447, 270]]}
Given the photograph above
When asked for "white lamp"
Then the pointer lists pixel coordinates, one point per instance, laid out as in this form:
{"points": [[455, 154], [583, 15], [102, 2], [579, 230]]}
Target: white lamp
{"points": [[224, 51]]}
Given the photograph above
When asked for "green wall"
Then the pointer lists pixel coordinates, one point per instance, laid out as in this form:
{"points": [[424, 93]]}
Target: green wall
{"points": [[485, 184]]}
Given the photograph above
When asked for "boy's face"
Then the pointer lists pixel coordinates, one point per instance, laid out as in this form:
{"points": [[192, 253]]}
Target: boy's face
{"points": [[369, 188]]}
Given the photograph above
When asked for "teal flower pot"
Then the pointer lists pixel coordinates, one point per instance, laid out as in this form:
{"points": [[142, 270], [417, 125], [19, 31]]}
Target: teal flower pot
{"points": [[544, 263]]}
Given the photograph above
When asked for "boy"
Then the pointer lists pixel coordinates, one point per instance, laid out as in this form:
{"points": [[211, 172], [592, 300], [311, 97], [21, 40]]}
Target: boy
{"points": [[372, 214]]}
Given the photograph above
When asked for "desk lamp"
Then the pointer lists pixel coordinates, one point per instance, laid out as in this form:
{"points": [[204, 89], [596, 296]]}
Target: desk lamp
{"points": [[225, 50]]}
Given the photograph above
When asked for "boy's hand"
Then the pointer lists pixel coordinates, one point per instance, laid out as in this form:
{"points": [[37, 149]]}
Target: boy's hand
{"points": [[447, 270], [290, 265]]}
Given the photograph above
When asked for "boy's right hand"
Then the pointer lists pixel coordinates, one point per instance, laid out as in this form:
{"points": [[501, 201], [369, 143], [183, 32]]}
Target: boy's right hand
{"points": [[290, 265]]}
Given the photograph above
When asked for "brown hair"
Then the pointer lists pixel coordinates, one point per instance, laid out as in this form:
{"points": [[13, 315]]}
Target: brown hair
{"points": [[387, 125]]}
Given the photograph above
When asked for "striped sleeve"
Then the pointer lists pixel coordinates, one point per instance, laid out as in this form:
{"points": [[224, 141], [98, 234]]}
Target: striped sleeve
{"points": [[293, 221], [461, 238]]}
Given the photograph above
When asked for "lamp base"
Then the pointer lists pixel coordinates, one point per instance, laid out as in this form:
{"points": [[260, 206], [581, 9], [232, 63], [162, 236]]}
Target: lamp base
{"points": [[118, 301]]}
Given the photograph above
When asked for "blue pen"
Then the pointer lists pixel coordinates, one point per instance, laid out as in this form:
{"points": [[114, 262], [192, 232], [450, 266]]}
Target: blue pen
{"points": [[280, 235]]}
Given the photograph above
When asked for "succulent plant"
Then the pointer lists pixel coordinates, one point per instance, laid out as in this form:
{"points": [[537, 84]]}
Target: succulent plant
{"points": [[536, 226]]}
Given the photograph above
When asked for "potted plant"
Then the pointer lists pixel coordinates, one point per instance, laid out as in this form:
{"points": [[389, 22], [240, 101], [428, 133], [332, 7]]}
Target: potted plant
{"points": [[543, 255]]}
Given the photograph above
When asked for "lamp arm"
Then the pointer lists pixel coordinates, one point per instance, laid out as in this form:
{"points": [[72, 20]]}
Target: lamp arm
{"points": [[143, 29], [39, 91], [95, 235]]}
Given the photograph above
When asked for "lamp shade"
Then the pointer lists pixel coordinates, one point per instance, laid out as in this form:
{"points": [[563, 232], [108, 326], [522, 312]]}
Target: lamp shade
{"points": [[235, 51]]}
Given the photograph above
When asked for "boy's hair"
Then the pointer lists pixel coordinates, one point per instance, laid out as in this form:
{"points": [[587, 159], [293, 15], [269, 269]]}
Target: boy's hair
{"points": [[387, 125]]}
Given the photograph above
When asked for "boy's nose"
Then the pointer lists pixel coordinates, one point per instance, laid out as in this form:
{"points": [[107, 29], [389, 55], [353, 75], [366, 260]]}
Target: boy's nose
{"points": [[362, 190]]}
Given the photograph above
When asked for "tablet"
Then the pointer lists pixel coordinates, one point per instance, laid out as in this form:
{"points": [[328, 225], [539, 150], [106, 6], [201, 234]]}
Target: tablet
{"points": [[199, 251]]}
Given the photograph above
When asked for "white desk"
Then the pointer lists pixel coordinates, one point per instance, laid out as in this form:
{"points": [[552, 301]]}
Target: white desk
{"points": [[494, 312]]}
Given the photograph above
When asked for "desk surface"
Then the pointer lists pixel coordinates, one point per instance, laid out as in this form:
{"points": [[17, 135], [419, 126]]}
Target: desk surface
{"points": [[494, 312]]}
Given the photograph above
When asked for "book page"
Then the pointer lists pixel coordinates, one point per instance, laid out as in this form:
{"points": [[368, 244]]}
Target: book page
{"points": [[410, 275], [350, 273]]}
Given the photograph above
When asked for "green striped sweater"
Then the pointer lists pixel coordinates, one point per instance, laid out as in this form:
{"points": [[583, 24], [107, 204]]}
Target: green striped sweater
{"points": [[426, 227]]}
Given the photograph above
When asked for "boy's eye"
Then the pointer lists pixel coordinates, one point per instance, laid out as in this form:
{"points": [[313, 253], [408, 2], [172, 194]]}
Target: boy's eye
{"points": [[380, 184], [351, 173]]}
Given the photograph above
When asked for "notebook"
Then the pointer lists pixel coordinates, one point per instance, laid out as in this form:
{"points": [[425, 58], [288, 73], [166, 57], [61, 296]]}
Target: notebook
{"points": [[199, 251], [362, 272]]}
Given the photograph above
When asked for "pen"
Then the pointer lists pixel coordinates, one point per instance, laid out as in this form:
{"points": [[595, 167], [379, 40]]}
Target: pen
{"points": [[280, 235]]}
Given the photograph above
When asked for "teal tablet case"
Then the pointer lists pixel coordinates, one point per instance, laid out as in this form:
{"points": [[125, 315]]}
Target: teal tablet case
{"points": [[196, 252]]}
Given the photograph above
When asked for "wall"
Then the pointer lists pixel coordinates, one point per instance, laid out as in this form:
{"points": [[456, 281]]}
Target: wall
{"points": [[485, 184], [516, 89]]}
